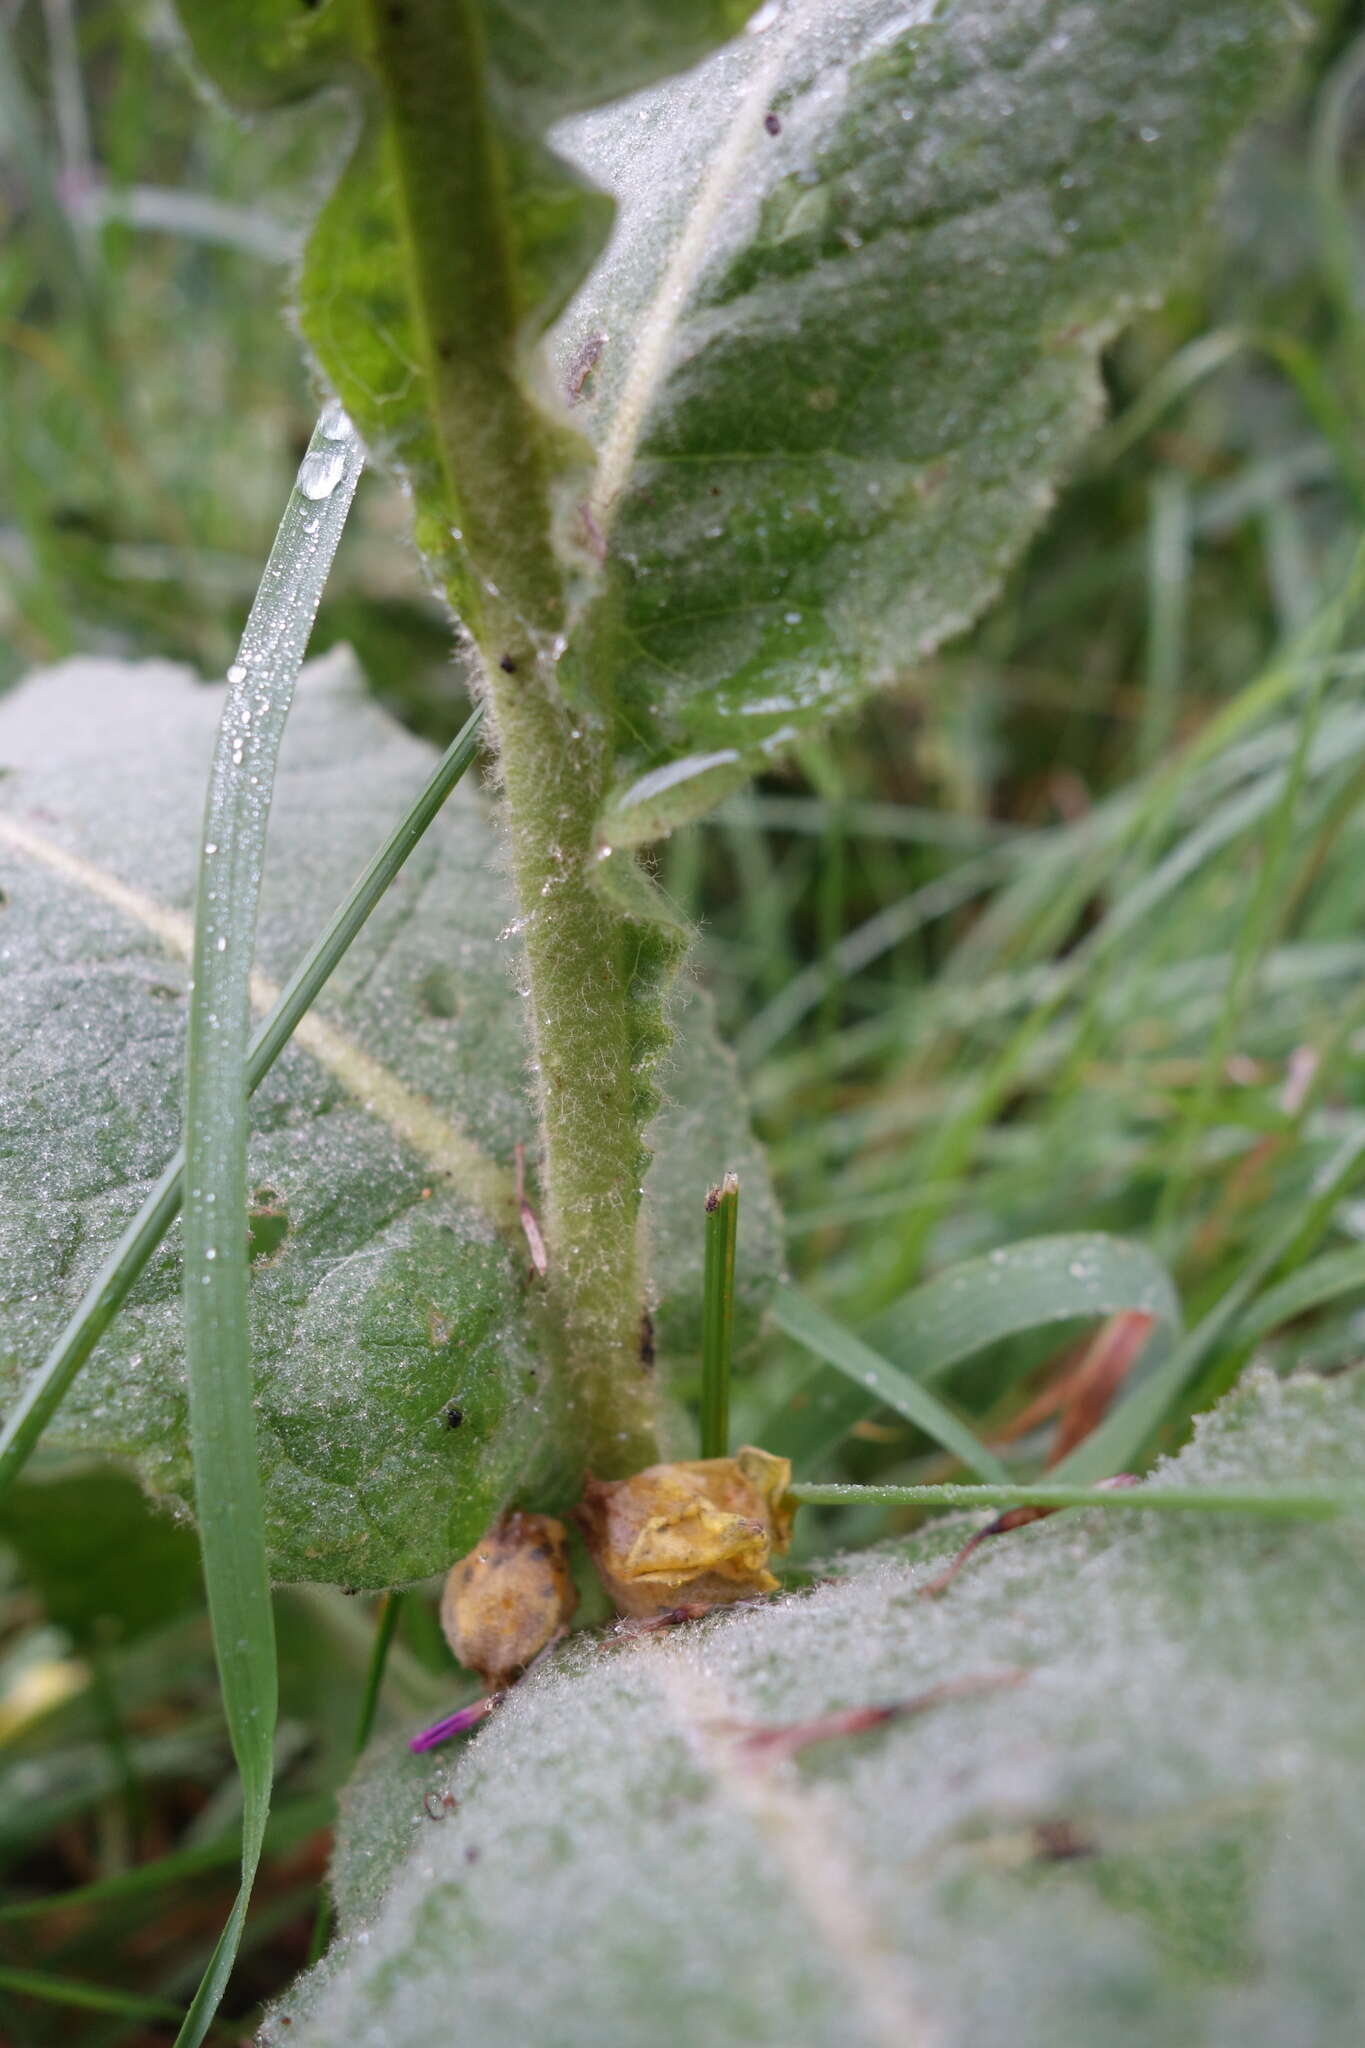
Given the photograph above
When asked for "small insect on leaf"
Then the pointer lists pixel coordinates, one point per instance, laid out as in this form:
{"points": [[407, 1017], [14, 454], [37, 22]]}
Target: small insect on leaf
{"points": [[509, 1597], [700, 1533]]}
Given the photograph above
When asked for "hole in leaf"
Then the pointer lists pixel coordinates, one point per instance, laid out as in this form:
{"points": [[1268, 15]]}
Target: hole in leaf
{"points": [[439, 995], [267, 1222]]}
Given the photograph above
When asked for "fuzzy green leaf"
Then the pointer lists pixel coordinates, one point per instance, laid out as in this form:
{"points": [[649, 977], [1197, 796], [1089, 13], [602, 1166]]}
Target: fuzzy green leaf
{"points": [[805, 400], [1151, 1835], [848, 330], [461, 363], [390, 1276]]}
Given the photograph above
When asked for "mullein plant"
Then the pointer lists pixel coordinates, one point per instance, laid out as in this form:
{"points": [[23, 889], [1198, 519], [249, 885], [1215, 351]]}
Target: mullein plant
{"points": [[728, 357]]}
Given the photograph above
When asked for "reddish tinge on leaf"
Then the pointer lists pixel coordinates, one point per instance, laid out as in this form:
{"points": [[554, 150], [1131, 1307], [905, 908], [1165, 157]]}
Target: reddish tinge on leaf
{"points": [[699, 1532], [509, 1597], [1082, 1393]]}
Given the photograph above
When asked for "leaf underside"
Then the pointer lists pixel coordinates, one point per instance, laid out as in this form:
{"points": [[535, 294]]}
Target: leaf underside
{"points": [[391, 1278], [1154, 1834]]}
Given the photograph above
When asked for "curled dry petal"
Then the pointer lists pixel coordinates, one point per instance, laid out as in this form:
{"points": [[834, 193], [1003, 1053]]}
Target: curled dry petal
{"points": [[509, 1597], [702, 1532]]}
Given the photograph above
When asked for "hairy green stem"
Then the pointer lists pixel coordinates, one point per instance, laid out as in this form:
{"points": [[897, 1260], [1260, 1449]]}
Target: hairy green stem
{"points": [[498, 452]]}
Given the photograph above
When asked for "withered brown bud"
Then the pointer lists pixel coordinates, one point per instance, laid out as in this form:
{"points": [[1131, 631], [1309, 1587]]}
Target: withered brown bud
{"points": [[509, 1597], [701, 1532]]}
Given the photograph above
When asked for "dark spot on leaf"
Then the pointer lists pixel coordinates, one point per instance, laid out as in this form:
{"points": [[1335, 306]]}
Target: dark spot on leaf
{"points": [[267, 1224], [772, 124], [1059, 1841], [453, 1416], [507, 665], [578, 383], [438, 993], [646, 1339]]}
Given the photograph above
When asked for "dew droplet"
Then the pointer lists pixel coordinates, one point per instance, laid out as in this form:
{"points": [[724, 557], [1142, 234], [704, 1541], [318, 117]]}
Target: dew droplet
{"points": [[335, 422], [320, 472]]}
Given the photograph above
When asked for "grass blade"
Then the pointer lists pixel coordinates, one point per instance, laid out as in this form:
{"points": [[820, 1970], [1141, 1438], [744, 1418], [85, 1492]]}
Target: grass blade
{"points": [[1321, 1505], [1263, 913], [1324, 1280], [385, 1627], [290, 1826], [227, 1482], [718, 1315], [48, 1386], [1121, 1437], [839, 1347], [91, 1997], [1019, 1287]]}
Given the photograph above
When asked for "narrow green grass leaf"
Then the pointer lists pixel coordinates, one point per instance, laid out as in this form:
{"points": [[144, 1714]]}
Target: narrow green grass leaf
{"points": [[839, 1347], [1121, 1437], [718, 1313], [290, 1826], [867, 942], [390, 1610], [1335, 217], [1286, 1503], [227, 1482], [93, 1997], [1168, 583], [1139, 818], [1322, 1280], [1262, 916], [45, 1391], [959, 1312]]}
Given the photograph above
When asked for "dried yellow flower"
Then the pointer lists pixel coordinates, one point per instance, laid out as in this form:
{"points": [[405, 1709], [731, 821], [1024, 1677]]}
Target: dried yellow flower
{"points": [[509, 1597], [700, 1532]]}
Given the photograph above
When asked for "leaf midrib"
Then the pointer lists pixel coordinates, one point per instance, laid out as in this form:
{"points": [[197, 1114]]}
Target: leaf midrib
{"points": [[673, 291], [413, 1118]]}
